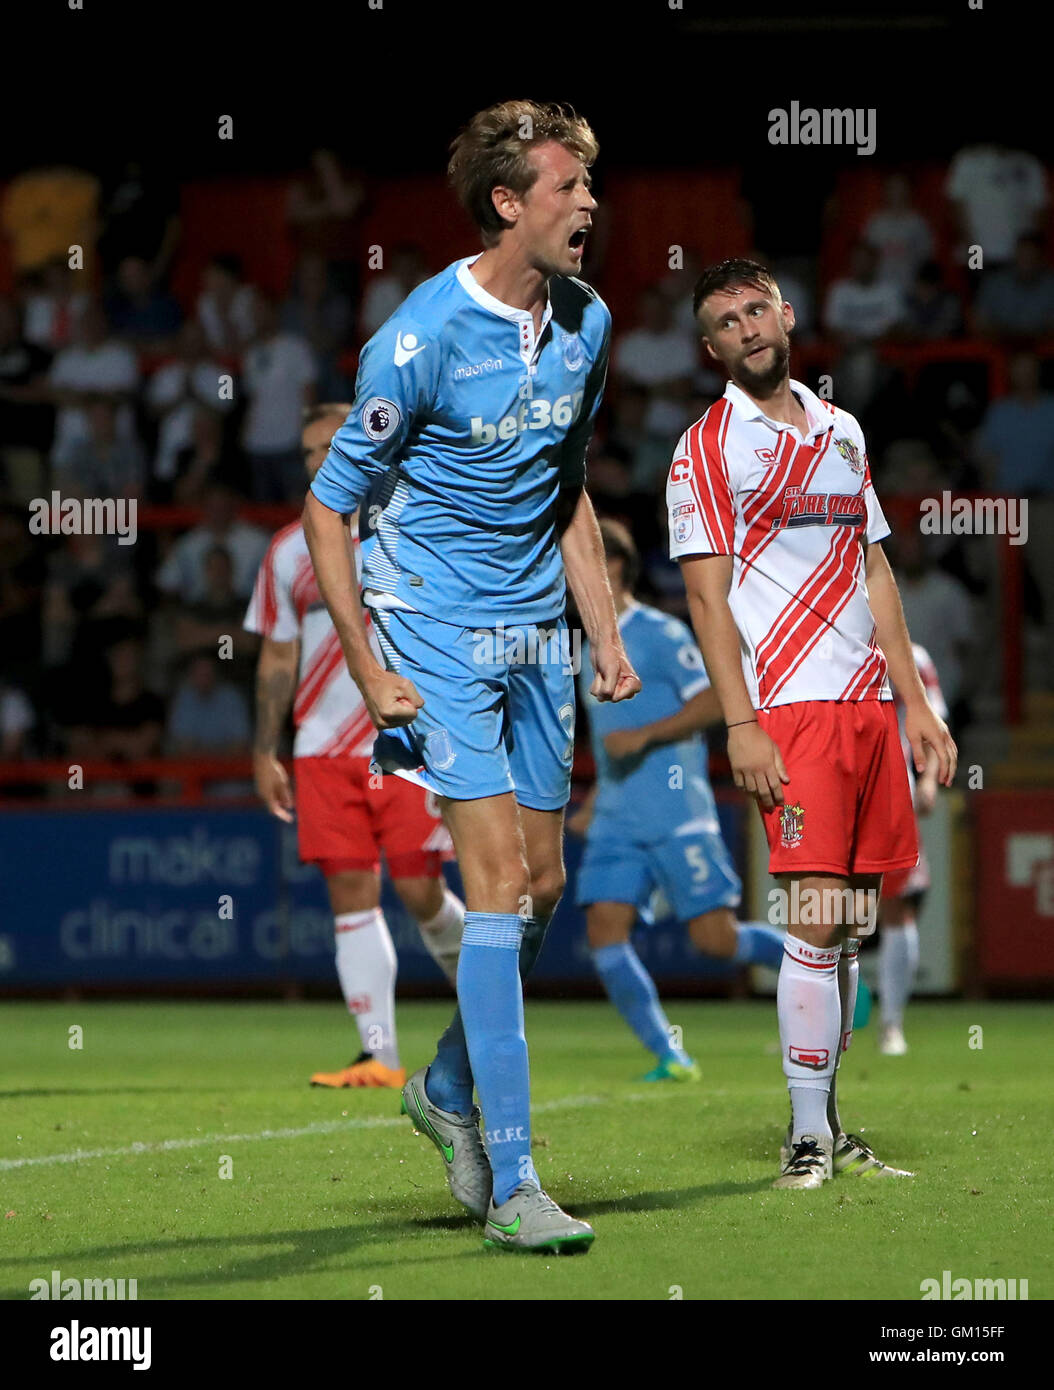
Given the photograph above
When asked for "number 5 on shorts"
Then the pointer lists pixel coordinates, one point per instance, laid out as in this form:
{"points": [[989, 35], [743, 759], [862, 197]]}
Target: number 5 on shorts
{"points": [[697, 862]]}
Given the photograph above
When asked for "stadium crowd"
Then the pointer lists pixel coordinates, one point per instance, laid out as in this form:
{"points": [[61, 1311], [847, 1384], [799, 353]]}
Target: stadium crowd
{"points": [[111, 386]]}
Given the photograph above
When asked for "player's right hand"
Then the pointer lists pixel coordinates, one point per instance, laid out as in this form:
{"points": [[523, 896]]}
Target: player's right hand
{"points": [[391, 700], [272, 784], [614, 678], [757, 765]]}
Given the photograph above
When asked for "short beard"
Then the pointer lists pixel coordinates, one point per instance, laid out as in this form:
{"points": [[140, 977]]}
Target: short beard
{"points": [[764, 383]]}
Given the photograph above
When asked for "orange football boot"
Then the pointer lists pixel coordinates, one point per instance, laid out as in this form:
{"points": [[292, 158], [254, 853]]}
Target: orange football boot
{"points": [[364, 1071]]}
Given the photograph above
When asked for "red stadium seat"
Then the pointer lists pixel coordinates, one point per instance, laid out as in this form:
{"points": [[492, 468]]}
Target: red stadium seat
{"points": [[651, 211], [421, 209], [244, 216]]}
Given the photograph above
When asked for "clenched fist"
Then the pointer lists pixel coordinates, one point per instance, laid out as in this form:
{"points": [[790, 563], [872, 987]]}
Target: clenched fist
{"points": [[391, 699]]}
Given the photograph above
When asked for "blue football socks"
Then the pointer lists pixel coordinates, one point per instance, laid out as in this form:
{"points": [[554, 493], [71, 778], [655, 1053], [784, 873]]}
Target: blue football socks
{"points": [[490, 996], [758, 944], [632, 991], [448, 1082]]}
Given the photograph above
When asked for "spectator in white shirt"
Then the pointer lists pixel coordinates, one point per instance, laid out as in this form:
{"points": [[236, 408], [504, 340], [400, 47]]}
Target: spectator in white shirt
{"points": [[94, 366], [101, 465], [54, 307], [900, 234], [861, 310], [998, 195], [278, 376], [183, 574], [225, 305], [861, 307], [317, 312], [176, 392], [661, 358], [386, 289]]}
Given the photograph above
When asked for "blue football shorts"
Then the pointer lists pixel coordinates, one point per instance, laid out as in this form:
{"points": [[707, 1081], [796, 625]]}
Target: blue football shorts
{"points": [[692, 872], [499, 708]]}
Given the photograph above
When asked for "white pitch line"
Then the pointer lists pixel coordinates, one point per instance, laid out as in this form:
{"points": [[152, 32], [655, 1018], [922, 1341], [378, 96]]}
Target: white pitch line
{"points": [[322, 1127]]}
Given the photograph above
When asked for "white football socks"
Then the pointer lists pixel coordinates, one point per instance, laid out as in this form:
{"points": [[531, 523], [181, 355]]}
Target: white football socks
{"points": [[810, 1023], [898, 959], [366, 965], [442, 935], [848, 982]]}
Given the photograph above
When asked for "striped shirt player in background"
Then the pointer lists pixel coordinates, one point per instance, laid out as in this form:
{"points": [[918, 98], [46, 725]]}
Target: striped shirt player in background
{"points": [[902, 891], [650, 820], [346, 815], [778, 530]]}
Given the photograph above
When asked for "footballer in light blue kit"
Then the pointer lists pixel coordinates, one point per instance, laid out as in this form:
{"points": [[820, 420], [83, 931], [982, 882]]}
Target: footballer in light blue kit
{"points": [[650, 821], [467, 427], [465, 456]]}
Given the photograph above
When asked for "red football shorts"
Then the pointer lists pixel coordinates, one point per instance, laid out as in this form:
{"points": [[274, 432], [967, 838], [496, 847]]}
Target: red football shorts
{"points": [[847, 807], [344, 823]]}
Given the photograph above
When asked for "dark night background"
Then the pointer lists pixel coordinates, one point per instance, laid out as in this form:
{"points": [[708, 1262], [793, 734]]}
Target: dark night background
{"points": [[389, 87]]}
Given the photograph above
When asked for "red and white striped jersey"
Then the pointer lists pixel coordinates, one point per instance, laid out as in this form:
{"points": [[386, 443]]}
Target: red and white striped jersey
{"points": [[935, 695], [792, 512], [328, 711]]}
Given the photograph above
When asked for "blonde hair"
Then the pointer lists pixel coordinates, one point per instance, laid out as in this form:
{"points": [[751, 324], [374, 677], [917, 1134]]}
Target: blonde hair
{"points": [[492, 152]]}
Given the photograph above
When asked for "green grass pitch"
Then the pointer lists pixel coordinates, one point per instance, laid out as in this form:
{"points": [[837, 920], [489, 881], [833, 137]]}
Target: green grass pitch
{"points": [[332, 1195]]}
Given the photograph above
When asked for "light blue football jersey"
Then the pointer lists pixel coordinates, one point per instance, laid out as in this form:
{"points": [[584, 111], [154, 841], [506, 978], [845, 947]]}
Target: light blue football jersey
{"points": [[667, 789], [464, 429]]}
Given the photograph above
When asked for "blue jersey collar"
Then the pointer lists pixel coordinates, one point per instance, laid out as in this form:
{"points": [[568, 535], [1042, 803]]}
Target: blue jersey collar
{"points": [[523, 318]]}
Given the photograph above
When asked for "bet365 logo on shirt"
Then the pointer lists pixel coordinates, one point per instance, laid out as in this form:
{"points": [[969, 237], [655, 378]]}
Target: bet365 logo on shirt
{"points": [[537, 414]]}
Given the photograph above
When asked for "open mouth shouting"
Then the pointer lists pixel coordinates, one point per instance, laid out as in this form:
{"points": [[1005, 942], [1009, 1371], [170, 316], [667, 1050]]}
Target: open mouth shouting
{"points": [[577, 240]]}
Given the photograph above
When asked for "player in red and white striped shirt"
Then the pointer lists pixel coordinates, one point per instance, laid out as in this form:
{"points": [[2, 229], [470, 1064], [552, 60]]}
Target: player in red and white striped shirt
{"points": [[346, 815], [778, 531], [898, 943]]}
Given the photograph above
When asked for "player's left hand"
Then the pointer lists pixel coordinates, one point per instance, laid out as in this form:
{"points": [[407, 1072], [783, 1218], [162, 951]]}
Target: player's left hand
{"points": [[625, 743], [615, 678], [924, 729]]}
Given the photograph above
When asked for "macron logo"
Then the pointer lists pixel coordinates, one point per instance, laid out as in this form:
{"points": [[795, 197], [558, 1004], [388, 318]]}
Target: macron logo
{"points": [[406, 347]]}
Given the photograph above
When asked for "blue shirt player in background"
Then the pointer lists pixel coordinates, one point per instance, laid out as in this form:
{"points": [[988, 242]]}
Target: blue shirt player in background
{"points": [[466, 450], [650, 821]]}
